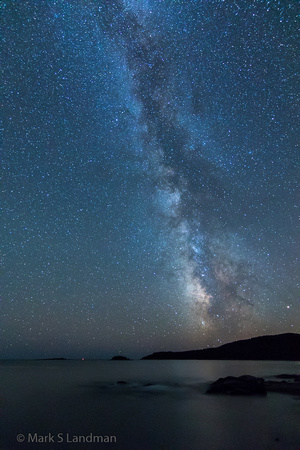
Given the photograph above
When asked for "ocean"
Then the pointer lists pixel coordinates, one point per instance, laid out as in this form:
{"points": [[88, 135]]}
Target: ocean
{"points": [[142, 405]]}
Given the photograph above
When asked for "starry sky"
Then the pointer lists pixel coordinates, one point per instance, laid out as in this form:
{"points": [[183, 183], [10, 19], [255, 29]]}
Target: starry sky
{"points": [[150, 174]]}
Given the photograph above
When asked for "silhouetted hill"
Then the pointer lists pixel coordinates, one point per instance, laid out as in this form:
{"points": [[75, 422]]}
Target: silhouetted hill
{"points": [[280, 347]]}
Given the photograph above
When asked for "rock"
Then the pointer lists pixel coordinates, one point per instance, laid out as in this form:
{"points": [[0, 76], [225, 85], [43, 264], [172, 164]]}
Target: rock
{"points": [[284, 383], [244, 385], [288, 376]]}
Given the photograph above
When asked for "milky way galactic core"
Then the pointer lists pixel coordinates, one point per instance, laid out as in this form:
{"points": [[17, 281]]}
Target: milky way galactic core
{"points": [[150, 175]]}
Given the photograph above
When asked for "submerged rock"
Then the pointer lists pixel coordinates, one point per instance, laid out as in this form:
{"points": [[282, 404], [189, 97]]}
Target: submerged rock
{"points": [[284, 387], [244, 385]]}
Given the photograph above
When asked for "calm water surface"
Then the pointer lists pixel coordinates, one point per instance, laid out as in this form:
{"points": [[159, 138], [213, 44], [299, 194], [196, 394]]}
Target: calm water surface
{"points": [[163, 405]]}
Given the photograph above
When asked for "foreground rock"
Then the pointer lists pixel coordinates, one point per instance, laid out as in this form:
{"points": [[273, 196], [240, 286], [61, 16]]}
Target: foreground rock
{"points": [[249, 385], [244, 385]]}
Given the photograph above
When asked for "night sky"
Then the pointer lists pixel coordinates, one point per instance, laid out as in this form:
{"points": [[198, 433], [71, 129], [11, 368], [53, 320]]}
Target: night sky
{"points": [[149, 175]]}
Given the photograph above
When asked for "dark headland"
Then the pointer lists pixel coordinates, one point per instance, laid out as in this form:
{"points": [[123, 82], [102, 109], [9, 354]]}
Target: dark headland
{"points": [[280, 347]]}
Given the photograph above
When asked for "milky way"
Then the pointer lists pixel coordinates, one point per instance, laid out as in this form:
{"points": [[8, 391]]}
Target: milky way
{"points": [[150, 175]]}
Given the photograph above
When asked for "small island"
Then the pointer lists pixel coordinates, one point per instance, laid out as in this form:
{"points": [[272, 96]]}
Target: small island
{"points": [[120, 358], [52, 359]]}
